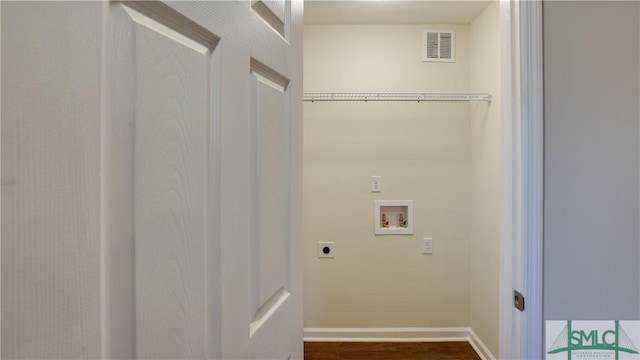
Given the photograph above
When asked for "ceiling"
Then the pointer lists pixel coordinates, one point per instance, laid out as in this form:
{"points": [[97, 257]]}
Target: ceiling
{"points": [[392, 11]]}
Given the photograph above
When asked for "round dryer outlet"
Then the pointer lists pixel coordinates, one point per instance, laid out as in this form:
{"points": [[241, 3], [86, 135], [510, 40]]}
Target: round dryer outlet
{"points": [[326, 249]]}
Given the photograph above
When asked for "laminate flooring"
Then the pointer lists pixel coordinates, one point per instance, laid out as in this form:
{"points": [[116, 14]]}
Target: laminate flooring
{"points": [[389, 351]]}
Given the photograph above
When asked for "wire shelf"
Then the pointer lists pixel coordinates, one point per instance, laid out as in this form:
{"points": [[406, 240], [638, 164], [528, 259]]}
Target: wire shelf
{"points": [[418, 97]]}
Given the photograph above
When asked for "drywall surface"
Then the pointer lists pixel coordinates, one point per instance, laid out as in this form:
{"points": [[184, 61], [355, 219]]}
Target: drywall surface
{"points": [[591, 210], [485, 119], [51, 180], [422, 152]]}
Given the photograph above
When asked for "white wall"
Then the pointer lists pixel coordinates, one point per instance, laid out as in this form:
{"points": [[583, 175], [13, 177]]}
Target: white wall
{"points": [[421, 150], [591, 204], [484, 229]]}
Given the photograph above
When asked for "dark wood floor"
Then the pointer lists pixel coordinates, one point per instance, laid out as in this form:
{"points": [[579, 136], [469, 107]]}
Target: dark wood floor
{"points": [[389, 351]]}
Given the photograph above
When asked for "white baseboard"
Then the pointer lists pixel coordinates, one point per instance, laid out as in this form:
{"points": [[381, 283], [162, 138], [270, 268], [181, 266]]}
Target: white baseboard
{"points": [[479, 346], [399, 335]]}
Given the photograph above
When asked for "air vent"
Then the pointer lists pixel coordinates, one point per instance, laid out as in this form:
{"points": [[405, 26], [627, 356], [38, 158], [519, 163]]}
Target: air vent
{"points": [[439, 46]]}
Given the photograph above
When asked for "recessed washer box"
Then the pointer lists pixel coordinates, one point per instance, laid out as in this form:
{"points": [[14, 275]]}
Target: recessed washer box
{"points": [[393, 217]]}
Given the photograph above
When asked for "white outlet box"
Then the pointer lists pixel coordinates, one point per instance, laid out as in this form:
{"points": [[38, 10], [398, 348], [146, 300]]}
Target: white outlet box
{"points": [[391, 210], [326, 249], [427, 246]]}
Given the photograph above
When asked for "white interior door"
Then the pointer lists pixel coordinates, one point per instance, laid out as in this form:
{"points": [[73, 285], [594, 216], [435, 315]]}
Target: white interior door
{"points": [[151, 180], [204, 154]]}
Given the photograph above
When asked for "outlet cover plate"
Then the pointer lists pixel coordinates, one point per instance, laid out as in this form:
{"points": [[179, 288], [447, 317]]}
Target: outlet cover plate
{"points": [[427, 246], [322, 249], [376, 183]]}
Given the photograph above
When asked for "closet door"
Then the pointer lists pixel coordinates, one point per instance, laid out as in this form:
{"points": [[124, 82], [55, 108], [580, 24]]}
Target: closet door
{"points": [[151, 180], [205, 167]]}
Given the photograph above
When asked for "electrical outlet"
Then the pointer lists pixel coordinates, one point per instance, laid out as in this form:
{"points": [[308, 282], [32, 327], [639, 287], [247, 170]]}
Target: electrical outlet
{"points": [[376, 184], [427, 246], [326, 249]]}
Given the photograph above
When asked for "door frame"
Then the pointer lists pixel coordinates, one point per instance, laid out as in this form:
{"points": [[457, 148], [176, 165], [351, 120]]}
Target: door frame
{"points": [[521, 234]]}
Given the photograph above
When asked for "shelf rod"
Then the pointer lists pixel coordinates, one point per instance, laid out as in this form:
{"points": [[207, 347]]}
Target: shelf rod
{"points": [[417, 97]]}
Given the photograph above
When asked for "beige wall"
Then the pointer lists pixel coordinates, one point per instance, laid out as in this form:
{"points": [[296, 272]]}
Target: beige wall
{"points": [[485, 121], [421, 150]]}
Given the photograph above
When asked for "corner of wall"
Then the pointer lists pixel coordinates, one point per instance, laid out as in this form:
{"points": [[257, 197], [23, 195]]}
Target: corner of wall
{"points": [[485, 75]]}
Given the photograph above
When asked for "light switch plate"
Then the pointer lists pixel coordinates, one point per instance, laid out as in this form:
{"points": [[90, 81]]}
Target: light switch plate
{"points": [[427, 246], [376, 184]]}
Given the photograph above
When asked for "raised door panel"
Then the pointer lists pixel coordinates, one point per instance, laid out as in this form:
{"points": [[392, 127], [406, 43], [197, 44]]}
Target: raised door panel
{"points": [[277, 7], [270, 207], [170, 152], [163, 91], [274, 13]]}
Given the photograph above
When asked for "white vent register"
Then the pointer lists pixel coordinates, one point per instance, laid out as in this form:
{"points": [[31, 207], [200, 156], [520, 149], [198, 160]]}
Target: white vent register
{"points": [[439, 46]]}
